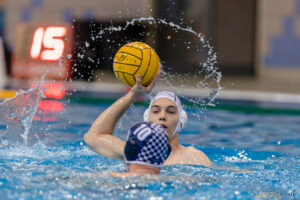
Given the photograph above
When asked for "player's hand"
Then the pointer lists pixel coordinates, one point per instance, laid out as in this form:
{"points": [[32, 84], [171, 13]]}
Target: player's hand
{"points": [[138, 89]]}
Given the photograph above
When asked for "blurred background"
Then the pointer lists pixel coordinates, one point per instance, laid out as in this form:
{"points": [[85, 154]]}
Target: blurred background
{"points": [[257, 41]]}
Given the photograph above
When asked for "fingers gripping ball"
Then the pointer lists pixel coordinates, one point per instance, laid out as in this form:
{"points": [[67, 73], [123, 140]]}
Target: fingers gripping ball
{"points": [[136, 58]]}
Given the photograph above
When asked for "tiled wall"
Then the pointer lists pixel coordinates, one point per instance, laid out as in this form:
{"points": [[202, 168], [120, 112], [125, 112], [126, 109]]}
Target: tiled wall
{"points": [[67, 10], [279, 27]]}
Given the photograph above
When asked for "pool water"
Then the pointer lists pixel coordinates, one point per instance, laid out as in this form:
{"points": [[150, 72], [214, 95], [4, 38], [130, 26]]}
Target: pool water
{"points": [[57, 164]]}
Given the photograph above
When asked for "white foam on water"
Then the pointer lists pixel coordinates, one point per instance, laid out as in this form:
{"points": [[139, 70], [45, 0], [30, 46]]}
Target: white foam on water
{"points": [[241, 157]]}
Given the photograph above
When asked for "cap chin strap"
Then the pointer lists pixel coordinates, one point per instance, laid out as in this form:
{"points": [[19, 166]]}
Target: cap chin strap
{"points": [[181, 123]]}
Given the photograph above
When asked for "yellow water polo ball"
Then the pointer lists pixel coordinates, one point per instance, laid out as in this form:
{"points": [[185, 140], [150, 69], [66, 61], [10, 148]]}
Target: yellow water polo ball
{"points": [[136, 58]]}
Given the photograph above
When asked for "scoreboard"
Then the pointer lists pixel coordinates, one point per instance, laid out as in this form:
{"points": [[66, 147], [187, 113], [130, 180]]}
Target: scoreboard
{"points": [[69, 50], [43, 47]]}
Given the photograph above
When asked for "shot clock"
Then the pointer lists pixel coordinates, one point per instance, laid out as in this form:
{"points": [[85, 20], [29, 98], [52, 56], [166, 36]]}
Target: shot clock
{"points": [[42, 47]]}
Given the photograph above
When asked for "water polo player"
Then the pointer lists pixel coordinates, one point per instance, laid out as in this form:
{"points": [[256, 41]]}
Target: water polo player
{"points": [[146, 149], [165, 109]]}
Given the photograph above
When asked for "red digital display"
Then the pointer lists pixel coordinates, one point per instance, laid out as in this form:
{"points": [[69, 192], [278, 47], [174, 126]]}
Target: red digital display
{"points": [[39, 48], [51, 39]]}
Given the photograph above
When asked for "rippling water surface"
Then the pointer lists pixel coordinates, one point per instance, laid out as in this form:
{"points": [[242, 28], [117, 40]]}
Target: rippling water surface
{"points": [[57, 164]]}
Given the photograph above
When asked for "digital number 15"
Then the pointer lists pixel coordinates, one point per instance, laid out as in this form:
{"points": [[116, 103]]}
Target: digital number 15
{"points": [[51, 38]]}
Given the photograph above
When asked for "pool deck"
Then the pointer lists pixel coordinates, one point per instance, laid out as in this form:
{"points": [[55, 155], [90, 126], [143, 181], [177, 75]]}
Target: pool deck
{"points": [[245, 88]]}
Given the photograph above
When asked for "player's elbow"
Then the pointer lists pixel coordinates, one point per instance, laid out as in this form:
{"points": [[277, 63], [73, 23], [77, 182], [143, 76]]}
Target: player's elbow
{"points": [[105, 145], [95, 143], [88, 138]]}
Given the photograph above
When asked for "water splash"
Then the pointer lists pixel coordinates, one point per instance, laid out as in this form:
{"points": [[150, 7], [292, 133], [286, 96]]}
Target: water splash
{"points": [[206, 76], [17, 112], [242, 157]]}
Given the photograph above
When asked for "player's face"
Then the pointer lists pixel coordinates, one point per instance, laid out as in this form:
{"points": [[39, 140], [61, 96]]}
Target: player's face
{"points": [[163, 111]]}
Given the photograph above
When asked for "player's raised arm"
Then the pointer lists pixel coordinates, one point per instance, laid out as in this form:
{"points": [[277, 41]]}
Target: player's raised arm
{"points": [[100, 136]]}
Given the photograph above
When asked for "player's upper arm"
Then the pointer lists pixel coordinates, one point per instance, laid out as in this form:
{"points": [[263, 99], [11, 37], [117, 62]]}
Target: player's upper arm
{"points": [[106, 145]]}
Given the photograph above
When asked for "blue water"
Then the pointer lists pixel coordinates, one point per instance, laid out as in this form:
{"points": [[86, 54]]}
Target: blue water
{"points": [[57, 164]]}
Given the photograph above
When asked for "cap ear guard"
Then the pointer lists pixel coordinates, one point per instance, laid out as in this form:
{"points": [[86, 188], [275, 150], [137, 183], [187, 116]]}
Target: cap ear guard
{"points": [[146, 115], [130, 150], [183, 119], [169, 150]]}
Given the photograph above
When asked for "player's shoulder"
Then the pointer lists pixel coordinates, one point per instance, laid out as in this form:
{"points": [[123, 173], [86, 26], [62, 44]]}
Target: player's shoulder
{"points": [[192, 149], [198, 155], [188, 155]]}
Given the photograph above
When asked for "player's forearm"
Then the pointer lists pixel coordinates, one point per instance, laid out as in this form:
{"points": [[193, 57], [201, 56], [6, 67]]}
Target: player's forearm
{"points": [[107, 120]]}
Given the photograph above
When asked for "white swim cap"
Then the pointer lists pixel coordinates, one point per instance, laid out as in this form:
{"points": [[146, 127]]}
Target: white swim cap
{"points": [[169, 95]]}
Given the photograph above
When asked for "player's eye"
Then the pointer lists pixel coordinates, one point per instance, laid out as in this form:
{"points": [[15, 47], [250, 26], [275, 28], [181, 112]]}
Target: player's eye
{"points": [[172, 111], [155, 111]]}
